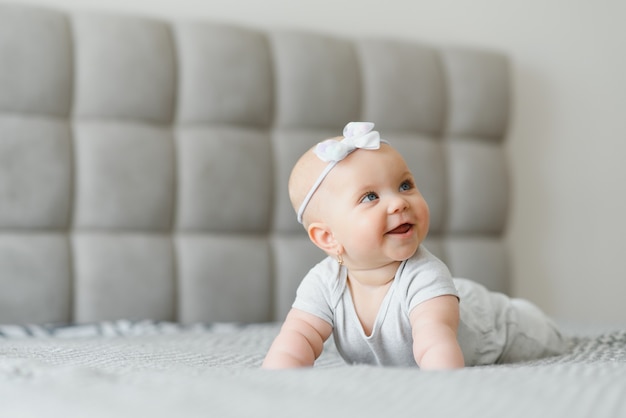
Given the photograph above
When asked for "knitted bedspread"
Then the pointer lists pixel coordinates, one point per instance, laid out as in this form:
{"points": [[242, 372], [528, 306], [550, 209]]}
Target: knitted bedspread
{"points": [[137, 369]]}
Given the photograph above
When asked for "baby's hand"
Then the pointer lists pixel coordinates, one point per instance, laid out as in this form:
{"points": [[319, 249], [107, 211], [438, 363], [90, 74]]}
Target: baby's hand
{"points": [[299, 343], [435, 324]]}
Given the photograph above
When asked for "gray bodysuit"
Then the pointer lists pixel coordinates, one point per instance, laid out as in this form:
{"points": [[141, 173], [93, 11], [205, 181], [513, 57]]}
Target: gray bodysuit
{"points": [[493, 328]]}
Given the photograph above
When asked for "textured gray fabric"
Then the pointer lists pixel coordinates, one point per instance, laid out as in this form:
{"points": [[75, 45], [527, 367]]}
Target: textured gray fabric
{"points": [[125, 68], [477, 175], [124, 276], [144, 162], [317, 81], [125, 177], [476, 109], [35, 172], [404, 86], [35, 279], [225, 75], [239, 290], [36, 75], [290, 270], [241, 201], [126, 369], [466, 253]]}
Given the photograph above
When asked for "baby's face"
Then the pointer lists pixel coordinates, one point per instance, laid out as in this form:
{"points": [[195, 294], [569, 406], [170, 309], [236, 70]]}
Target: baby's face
{"points": [[374, 208]]}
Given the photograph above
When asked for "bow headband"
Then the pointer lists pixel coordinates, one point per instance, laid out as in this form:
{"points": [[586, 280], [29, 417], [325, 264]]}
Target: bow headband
{"points": [[356, 135]]}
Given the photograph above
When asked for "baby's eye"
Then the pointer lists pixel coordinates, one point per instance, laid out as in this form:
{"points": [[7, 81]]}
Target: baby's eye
{"points": [[369, 197], [406, 185]]}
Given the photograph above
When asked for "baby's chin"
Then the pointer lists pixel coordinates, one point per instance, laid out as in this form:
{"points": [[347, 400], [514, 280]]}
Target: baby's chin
{"points": [[406, 253]]}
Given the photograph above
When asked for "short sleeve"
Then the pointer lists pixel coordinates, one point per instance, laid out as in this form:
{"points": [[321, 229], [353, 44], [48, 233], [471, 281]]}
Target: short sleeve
{"points": [[426, 277], [315, 293]]}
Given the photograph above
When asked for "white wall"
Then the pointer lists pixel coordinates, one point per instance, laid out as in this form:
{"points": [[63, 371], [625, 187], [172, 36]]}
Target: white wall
{"points": [[568, 139]]}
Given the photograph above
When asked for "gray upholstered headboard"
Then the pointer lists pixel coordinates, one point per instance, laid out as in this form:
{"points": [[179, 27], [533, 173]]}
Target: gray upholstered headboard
{"points": [[143, 163]]}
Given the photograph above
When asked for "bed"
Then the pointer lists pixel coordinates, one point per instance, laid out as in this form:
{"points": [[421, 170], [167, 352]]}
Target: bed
{"points": [[148, 251]]}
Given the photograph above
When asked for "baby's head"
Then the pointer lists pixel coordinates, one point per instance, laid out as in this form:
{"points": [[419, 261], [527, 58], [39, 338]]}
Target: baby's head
{"points": [[346, 186]]}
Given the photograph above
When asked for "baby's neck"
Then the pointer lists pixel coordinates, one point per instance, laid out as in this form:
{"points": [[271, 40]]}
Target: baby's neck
{"points": [[378, 277]]}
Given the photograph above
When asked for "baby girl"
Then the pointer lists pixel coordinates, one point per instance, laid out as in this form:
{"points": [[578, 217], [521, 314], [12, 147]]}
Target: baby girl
{"points": [[383, 296]]}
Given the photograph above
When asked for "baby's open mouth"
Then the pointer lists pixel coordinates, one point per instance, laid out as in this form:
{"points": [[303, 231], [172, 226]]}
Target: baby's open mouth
{"points": [[402, 229]]}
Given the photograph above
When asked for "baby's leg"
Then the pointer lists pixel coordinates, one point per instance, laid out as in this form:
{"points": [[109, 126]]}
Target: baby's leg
{"points": [[531, 334]]}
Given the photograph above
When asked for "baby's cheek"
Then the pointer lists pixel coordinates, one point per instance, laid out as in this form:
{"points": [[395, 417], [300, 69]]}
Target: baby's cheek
{"points": [[424, 210], [423, 221]]}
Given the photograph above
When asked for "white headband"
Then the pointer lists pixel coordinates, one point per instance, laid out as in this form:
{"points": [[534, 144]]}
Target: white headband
{"points": [[356, 135]]}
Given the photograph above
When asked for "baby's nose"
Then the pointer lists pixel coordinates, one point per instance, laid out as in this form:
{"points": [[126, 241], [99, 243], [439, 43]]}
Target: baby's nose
{"points": [[398, 204]]}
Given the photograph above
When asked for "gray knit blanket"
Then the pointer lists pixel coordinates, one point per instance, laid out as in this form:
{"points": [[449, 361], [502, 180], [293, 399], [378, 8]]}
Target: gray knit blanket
{"points": [[132, 369]]}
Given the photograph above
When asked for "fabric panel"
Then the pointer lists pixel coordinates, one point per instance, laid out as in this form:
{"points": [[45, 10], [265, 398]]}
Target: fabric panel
{"points": [[293, 256], [35, 173], [224, 278], [479, 107], [36, 74], [123, 276], [317, 81], [240, 201], [125, 68], [225, 75], [483, 259], [403, 86], [478, 187], [125, 176], [35, 278]]}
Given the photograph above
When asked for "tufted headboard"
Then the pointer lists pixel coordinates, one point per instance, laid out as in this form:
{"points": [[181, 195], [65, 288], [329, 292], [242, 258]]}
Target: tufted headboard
{"points": [[143, 163]]}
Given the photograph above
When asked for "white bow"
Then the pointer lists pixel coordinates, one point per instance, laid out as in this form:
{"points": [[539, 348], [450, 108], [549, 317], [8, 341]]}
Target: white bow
{"points": [[356, 135]]}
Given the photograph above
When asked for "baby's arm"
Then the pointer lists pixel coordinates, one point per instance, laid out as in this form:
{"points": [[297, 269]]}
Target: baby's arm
{"points": [[299, 343], [435, 324]]}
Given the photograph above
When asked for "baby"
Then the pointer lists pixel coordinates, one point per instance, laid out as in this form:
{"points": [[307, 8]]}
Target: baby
{"points": [[383, 296]]}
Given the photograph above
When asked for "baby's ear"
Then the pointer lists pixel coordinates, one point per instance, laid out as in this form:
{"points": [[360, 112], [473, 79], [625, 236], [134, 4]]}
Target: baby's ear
{"points": [[322, 236]]}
